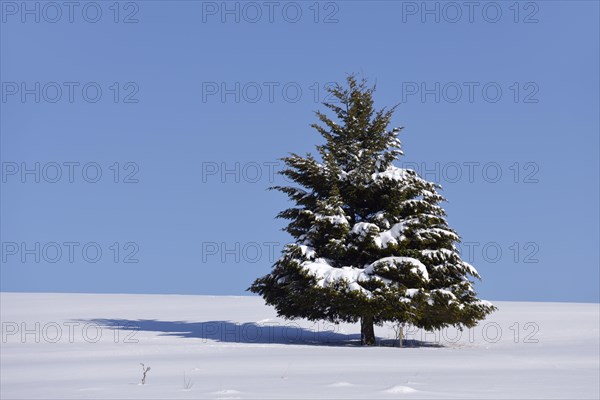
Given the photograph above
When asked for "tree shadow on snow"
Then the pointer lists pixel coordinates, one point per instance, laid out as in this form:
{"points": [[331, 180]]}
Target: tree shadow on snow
{"points": [[249, 332], [232, 332]]}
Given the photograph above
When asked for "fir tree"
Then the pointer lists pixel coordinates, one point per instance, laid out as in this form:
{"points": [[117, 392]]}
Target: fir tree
{"points": [[371, 240]]}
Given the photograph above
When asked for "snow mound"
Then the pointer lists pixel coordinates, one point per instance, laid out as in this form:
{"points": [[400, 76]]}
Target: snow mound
{"points": [[400, 389], [341, 384]]}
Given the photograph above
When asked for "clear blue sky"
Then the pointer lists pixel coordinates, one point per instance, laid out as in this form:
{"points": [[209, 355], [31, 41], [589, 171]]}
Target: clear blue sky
{"points": [[482, 93]]}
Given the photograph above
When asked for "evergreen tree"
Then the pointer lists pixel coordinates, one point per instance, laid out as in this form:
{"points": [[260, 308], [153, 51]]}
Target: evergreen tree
{"points": [[371, 240]]}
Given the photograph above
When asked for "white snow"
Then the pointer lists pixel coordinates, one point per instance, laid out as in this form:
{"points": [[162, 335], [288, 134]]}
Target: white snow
{"points": [[363, 228], [333, 219], [342, 384], [399, 389], [380, 216], [393, 173], [470, 269], [307, 251], [437, 232], [485, 303], [382, 239], [417, 266], [237, 347], [447, 293], [327, 275], [392, 235], [439, 253]]}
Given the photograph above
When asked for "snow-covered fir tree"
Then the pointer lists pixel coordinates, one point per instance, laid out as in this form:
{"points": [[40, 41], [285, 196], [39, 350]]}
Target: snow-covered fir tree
{"points": [[371, 240]]}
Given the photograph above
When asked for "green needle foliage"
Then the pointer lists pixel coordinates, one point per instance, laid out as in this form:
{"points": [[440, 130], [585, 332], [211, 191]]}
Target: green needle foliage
{"points": [[371, 240]]}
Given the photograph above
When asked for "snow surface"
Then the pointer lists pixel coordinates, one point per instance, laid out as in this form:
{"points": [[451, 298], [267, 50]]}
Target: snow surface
{"points": [[235, 347]]}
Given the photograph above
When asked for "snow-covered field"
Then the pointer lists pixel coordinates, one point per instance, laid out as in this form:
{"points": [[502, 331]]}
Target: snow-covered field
{"points": [[65, 346]]}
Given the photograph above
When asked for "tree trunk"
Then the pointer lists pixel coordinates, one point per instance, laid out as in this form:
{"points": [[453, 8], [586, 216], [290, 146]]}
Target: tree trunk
{"points": [[367, 331], [400, 335]]}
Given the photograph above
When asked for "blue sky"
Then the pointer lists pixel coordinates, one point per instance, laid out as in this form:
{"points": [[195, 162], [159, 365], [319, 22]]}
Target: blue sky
{"points": [[184, 107]]}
